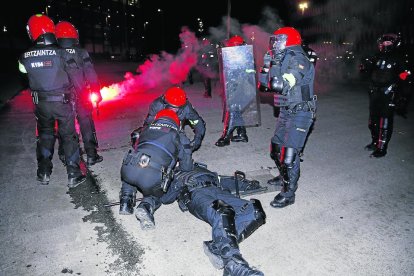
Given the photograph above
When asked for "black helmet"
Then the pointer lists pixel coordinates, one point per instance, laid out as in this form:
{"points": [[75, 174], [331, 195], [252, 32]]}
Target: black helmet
{"points": [[388, 42]]}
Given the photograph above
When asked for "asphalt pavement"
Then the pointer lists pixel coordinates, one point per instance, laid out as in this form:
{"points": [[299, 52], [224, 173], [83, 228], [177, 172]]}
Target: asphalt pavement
{"points": [[353, 215]]}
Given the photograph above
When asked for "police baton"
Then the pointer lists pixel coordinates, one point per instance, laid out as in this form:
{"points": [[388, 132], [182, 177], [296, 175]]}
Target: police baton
{"points": [[236, 181]]}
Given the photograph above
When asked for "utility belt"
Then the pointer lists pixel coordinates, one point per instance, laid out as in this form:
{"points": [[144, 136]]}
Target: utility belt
{"points": [[143, 160], [167, 172], [41, 97], [294, 106]]}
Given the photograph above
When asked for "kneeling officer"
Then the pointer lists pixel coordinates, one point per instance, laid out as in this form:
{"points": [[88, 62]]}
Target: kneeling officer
{"points": [[149, 166]]}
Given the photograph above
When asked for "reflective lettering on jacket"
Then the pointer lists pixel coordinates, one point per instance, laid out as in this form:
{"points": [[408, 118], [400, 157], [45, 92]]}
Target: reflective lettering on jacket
{"points": [[38, 53]]}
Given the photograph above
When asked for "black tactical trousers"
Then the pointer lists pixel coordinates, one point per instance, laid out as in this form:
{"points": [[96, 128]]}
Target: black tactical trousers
{"points": [[46, 114], [84, 115]]}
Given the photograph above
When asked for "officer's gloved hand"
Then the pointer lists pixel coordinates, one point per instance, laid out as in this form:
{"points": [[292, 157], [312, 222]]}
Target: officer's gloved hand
{"points": [[135, 136]]}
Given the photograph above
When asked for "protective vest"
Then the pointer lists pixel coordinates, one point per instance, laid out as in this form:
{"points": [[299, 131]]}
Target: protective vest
{"points": [[302, 91], [385, 69], [84, 72], [160, 140], [46, 69]]}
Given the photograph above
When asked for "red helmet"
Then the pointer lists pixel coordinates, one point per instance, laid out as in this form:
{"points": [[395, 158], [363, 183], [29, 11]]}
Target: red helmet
{"points": [[65, 29], [175, 96], [284, 37], [235, 41], [168, 114], [38, 25]]}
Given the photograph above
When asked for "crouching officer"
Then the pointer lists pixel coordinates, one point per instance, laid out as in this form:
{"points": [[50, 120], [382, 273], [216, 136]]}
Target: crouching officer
{"points": [[232, 219], [149, 166], [86, 83], [288, 72], [49, 74], [175, 98]]}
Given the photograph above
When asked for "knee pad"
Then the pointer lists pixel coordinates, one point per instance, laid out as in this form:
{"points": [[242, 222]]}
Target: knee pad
{"points": [[259, 220], [289, 157], [227, 215]]}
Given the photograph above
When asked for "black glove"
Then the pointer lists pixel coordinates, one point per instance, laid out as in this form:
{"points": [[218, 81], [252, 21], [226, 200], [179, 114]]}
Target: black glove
{"points": [[135, 136]]}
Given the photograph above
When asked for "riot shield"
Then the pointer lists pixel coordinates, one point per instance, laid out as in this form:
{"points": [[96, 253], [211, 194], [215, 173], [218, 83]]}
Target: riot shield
{"points": [[238, 83]]}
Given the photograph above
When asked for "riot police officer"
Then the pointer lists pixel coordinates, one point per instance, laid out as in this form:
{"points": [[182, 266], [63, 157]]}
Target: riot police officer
{"points": [[386, 71], [233, 219], [288, 72], [49, 71], [207, 65], [149, 166], [232, 119], [176, 98], [86, 84]]}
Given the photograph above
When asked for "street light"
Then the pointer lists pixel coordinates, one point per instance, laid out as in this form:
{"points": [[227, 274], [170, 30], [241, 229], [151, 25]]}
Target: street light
{"points": [[303, 6]]}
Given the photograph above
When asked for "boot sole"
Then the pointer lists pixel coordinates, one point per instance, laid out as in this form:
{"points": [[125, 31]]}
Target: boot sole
{"points": [[282, 205], [215, 260], [144, 220]]}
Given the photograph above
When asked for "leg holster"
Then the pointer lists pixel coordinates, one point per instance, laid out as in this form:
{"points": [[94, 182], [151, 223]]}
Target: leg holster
{"points": [[259, 220]]}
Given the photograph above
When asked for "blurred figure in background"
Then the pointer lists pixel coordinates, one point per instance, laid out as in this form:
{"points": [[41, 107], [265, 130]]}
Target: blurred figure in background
{"points": [[207, 65], [387, 72]]}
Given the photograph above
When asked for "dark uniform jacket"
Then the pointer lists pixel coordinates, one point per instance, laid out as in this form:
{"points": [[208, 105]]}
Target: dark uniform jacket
{"points": [[187, 115], [47, 70], [84, 71], [159, 147]]}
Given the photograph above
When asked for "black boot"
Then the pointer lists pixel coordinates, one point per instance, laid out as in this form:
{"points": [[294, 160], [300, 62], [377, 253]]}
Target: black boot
{"points": [[43, 178], [144, 213], [92, 159], [241, 135], [378, 153], [126, 204], [281, 201], [224, 140], [276, 181], [371, 147], [237, 266], [290, 172], [75, 180]]}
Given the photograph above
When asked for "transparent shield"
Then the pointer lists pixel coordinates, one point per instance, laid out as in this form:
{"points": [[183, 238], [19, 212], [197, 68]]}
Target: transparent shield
{"points": [[238, 81]]}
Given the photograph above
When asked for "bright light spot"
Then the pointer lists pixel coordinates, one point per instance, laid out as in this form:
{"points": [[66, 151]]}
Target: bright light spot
{"points": [[109, 93]]}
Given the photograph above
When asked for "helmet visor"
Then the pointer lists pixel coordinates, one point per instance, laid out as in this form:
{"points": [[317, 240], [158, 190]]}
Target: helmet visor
{"points": [[277, 43]]}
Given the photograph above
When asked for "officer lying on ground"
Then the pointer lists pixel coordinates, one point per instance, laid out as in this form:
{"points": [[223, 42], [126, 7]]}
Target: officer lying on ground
{"points": [[232, 219]]}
